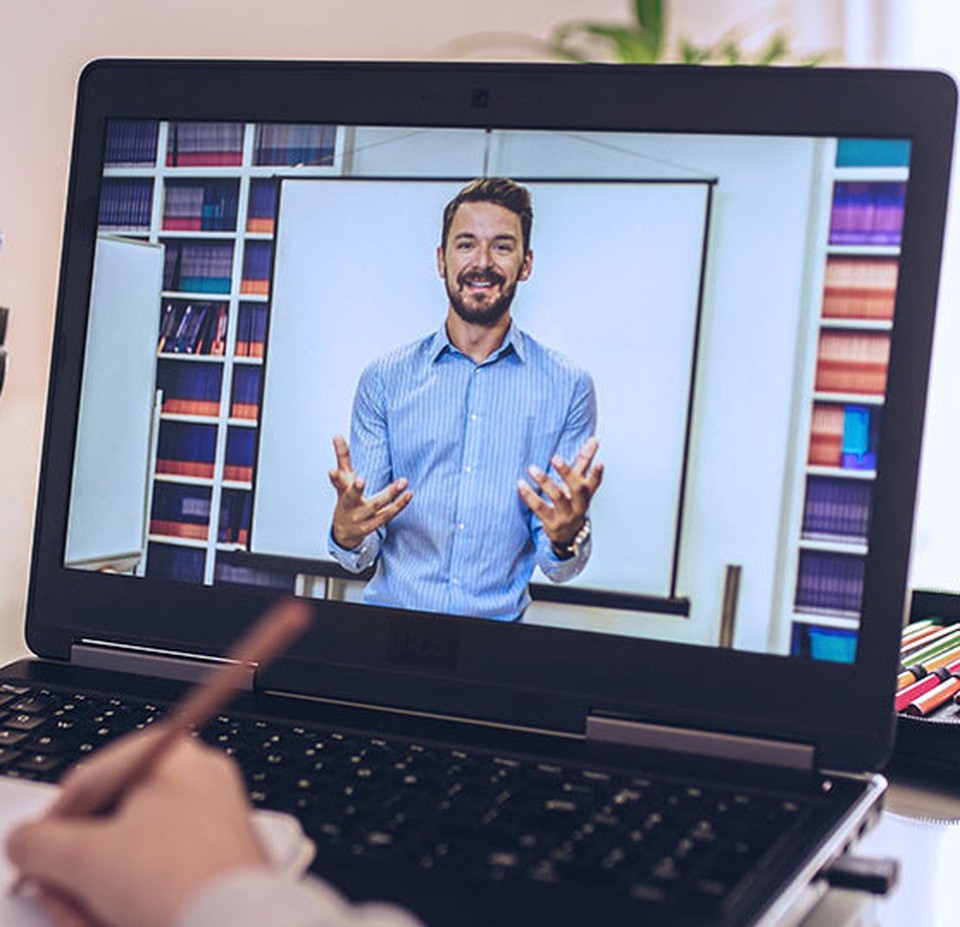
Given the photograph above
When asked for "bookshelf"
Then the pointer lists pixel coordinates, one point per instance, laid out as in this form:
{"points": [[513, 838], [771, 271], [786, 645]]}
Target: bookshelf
{"points": [[853, 343], [207, 192]]}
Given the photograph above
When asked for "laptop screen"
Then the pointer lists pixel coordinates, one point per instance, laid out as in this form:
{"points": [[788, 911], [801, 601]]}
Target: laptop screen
{"points": [[556, 390], [466, 311]]}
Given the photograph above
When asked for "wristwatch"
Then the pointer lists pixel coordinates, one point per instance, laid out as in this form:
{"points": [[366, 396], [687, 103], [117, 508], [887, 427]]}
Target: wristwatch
{"points": [[572, 547]]}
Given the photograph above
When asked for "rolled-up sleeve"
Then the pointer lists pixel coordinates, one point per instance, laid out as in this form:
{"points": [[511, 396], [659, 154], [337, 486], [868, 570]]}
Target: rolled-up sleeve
{"points": [[369, 451], [580, 424], [355, 559]]}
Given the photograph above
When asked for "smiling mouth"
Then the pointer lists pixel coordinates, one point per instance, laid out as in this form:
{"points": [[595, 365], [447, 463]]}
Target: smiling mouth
{"points": [[480, 283]]}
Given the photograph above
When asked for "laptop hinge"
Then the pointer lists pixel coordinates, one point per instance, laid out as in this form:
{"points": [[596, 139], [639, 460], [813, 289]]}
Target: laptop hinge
{"points": [[701, 743], [143, 661]]}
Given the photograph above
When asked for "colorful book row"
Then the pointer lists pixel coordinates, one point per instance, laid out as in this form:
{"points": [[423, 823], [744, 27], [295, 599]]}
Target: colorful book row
{"points": [[180, 511], [200, 205], [245, 401], [257, 266], [838, 645], [192, 328], [186, 449], [126, 204], [189, 389], [204, 144], [194, 389], [130, 143], [262, 207], [294, 145], [241, 453], [860, 288], [852, 362], [836, 509], [198, 266], [844, 436], [873, 152], [828, 582], [867, 213], [189, 448], [235, 510], [251, 330]]}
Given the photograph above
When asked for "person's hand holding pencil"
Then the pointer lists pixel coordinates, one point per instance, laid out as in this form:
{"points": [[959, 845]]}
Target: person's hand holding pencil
{"points": [[87, 861]]}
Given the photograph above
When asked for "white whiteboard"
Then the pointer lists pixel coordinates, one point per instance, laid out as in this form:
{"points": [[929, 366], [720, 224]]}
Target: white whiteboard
{"points": [[108, 496], [615, 287]]}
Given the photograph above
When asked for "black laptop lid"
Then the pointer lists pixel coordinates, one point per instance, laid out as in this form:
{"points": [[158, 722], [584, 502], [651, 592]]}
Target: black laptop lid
{"points": [[732, 285]]}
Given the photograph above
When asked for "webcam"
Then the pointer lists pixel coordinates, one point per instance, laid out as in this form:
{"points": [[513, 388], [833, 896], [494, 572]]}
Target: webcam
{"points": [[480, 97]]}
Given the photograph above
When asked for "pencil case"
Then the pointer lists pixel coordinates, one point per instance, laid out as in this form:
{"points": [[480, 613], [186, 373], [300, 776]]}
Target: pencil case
{"points": [[930, 743]]}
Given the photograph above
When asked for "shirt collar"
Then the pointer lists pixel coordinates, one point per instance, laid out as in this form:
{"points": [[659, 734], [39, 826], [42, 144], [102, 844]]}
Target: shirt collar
{"points": [[514, 340]]}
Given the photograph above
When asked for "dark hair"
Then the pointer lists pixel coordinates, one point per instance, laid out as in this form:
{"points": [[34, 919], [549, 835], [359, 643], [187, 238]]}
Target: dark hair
{"points": [[502, 191]]}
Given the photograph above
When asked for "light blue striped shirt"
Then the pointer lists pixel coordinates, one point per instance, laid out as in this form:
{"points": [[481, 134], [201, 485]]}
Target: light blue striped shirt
{"points": [[463, 433]]}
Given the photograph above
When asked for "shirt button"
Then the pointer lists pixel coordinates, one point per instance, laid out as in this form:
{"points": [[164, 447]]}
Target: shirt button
{"points": [[461, 526], [455, 581], [473, 416], [468, 468]]}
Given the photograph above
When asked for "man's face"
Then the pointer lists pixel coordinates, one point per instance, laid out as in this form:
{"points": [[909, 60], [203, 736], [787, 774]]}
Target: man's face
{"points": [[483, 261]]}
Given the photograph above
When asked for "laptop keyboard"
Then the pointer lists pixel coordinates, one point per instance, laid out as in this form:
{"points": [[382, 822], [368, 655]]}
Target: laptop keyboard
{"points": [[492, 818]]}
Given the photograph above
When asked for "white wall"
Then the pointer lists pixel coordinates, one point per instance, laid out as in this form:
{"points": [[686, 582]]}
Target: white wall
{"points": [[45, 43]]}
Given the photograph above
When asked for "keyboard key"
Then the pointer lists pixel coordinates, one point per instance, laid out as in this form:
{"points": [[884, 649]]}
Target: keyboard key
{"points": [[23, 722], [32, 704], [11, 738], [40, 762]]}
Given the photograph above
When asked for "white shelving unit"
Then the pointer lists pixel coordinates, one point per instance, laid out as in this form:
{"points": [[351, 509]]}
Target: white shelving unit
{"points": [[159, 173], [809, 618]]}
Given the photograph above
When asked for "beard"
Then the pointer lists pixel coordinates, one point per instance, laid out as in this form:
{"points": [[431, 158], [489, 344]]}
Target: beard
{"points": [[485, 314]]}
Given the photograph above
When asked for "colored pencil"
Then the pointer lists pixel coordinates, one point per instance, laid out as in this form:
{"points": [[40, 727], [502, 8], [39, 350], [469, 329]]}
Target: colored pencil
{"points": [[921, 656], [927, 636], [908, 693], [912, 633], [913, 673], [932, 700]]}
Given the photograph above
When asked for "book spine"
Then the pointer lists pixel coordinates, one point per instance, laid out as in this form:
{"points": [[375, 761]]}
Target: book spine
{"points": [[867, 213], [852, 362], [256, 268], [294, 144], [860, 288], [246, 393]]}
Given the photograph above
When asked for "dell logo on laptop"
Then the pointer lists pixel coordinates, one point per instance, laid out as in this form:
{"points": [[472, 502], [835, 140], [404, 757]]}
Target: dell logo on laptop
{"points": [[417, 646]]}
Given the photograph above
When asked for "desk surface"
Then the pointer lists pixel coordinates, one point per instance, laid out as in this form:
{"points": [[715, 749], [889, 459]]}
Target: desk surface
{"points": [[920, 826]]}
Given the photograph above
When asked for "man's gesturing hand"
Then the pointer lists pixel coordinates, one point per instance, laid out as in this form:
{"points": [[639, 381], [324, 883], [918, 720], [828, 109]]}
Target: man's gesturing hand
{"points": [[564, 510], [356, 515]]}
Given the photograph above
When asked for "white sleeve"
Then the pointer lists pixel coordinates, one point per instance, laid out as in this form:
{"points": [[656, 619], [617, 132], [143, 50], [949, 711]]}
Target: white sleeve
{"points": [[255, 896]]}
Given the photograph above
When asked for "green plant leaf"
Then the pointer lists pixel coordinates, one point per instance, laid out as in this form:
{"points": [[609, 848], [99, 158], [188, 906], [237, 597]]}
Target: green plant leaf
{"points": [[643, 41], [775, 50], [730, 52], [627, 45], [692, 54], [650, 17]]}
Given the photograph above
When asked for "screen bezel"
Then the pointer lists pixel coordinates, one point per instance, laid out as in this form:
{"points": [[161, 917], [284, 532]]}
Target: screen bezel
{"points": [[547, 677]]}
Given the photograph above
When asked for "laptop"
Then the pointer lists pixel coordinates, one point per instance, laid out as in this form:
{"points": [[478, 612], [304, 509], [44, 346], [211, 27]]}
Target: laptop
{"points": [[644, 679]]}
